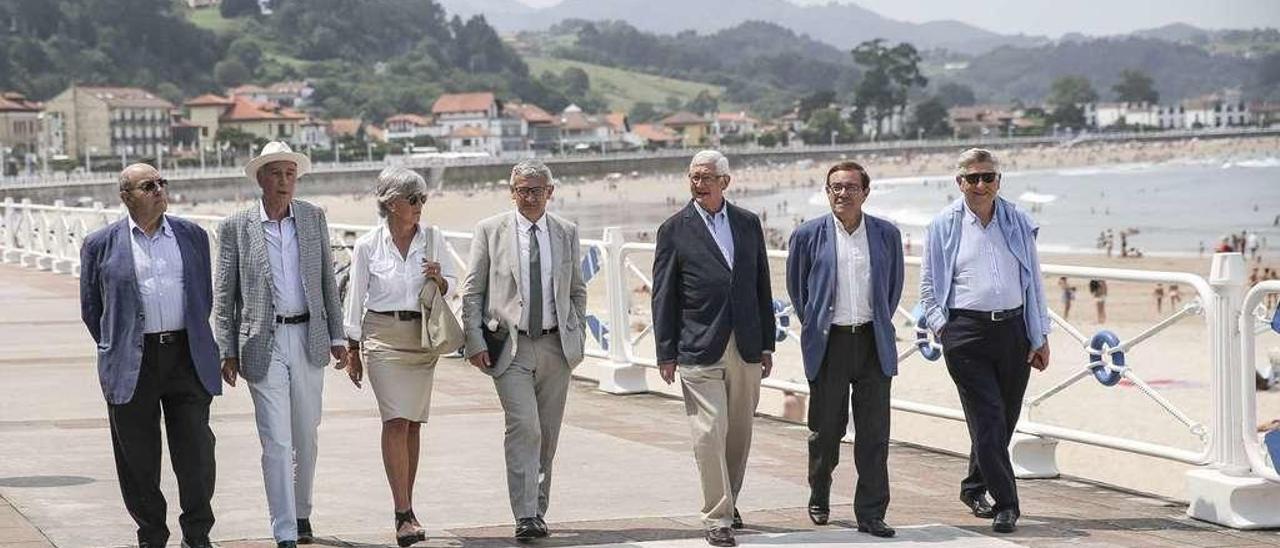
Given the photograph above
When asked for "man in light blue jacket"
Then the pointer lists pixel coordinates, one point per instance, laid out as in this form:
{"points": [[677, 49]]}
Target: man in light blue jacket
{"points": [[980, 287]]}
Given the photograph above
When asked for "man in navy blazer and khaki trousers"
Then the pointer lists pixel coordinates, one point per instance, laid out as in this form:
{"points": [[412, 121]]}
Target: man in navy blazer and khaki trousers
{"points": [[844, 276], [145, 296], [713, 320]]}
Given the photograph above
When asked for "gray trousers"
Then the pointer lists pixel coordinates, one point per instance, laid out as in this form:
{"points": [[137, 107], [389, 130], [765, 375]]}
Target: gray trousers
{"points": [[533, 391]]}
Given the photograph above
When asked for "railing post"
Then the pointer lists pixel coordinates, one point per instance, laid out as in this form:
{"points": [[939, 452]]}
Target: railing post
{"points": [[1226, 493], [65, 256], [10, 244], [619, 376]]}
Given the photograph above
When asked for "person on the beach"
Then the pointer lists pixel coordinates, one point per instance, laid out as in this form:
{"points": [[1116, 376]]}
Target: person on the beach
{"points": [[1159, 295], [1068, 295], [1175, 298], [1098, 288], [980, 288]]}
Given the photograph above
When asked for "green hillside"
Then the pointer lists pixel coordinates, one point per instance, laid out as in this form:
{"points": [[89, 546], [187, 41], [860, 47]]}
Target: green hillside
{"points": [[623, 88], [211, 19]]}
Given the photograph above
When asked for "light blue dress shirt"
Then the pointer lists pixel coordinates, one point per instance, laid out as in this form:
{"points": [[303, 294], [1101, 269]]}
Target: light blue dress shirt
{"points": [[282, 253], [157, 265], [718, 224], [987, 275]]}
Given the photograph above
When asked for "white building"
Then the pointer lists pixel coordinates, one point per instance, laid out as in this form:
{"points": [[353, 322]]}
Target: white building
{"points": [[467, 122]]}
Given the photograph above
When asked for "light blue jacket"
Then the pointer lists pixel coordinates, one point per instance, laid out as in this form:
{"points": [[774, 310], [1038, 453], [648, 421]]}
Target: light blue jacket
{"points": [[938, 264]]}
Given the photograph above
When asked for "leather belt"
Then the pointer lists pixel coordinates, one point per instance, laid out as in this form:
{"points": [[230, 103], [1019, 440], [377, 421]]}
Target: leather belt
{"points": [[300, 318], [851, 329], [989, 315], [402, 315], [535, 335], [164, 338]]}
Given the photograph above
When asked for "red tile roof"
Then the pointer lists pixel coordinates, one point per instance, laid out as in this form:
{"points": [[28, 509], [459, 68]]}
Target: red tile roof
{"points": [[655, 133], [12, 101], [463, 102], [126, 97], [415, 119], [209, 100], [244, 110], [529, 112], [683, 118], [345, 126]]}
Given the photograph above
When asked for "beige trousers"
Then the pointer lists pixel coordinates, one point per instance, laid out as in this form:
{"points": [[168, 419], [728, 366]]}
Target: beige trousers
{"points": [[720, 400]]}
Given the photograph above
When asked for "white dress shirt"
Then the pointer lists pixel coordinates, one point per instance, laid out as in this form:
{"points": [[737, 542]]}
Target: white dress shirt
{"points": [[157, 266], [282, 253], [385, 281], [853, 275], [987, 275], [548, 267], [718, 224]]}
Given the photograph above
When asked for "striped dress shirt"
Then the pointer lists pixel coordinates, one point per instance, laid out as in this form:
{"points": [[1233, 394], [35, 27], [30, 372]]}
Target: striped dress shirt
{"points": [[157, 264]]}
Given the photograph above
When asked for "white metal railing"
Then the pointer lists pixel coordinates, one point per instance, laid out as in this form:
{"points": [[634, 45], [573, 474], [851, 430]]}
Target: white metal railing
{"points": [[1255, 451], [49, 237]]}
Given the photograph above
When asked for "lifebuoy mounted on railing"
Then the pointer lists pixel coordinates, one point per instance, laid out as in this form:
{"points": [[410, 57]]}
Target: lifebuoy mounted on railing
{"points": [[782, 317], [929, 349], [1099, 345]]}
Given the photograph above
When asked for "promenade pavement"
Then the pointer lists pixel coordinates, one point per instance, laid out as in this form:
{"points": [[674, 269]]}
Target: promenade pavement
{"points": [[625, 475]]}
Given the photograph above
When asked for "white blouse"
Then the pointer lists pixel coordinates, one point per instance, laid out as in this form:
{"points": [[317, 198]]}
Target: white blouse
{"points": [[384, 281]]}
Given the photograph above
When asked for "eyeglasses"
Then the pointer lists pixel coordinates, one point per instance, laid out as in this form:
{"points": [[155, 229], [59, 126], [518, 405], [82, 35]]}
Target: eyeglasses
{"points": [[844, 189], [986, 177], [153, 186], [530, 191], [415, 199], [703, 178]]}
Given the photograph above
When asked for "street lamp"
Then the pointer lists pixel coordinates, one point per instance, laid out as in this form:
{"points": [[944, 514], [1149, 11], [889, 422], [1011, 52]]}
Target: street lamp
{"points": [[833, 137], [336, 158]]}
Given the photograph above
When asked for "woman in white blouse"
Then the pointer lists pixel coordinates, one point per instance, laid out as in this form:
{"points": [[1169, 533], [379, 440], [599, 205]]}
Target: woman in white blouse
{"points": [[389, 267]]}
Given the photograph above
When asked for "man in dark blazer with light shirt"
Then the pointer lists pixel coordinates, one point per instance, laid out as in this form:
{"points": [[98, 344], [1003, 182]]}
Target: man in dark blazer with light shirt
{"points": [[713, 321], [844, 276], [145, 296]]}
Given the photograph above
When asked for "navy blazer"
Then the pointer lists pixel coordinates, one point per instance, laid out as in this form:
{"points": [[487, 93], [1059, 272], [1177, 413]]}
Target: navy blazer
{"points": [[698, 301], [112, 308], [811, 283]]}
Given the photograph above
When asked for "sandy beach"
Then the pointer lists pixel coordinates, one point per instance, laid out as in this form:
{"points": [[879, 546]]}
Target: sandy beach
{"points": [[1174, 362]]}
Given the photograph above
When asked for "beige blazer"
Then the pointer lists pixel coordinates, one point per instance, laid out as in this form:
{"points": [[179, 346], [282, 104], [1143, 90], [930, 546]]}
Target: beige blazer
{"points": [[492, 295]]}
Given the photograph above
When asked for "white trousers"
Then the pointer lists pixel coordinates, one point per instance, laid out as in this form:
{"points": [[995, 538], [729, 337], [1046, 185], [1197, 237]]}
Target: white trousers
{"points": [[286, 406]]}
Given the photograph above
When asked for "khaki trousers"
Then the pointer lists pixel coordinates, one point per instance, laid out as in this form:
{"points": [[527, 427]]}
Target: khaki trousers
{"points": [[720, 400]]}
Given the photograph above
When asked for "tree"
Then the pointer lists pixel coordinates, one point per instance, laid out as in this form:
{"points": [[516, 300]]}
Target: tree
{"points": [[231, 72], [823, 123], [247, 51], [814, 101], [642, 112], [1135, 87], [890, 75], [703, 103], [576, 82], [953, 94], [931, 118], [1072, 90], [238, 8]]}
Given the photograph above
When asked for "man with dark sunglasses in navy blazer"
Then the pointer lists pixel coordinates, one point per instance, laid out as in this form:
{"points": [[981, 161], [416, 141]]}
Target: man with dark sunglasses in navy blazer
{"points": [[146, 295], [844, 276]]}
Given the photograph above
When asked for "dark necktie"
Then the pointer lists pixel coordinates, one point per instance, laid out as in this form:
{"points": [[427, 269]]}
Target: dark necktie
{"points": [[535, 284]]}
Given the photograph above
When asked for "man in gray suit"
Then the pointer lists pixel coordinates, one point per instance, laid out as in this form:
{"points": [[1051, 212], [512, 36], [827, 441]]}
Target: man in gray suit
{"points": [[527, 256], [278, 319]]}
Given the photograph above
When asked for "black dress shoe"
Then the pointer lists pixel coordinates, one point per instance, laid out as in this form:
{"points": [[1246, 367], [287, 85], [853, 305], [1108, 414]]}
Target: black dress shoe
{"points": [[186, 543], [877, 527], [305, 536], [287, 544], [978, 504], [527, 529], [721, 536], [1006, 521], [737, 519], [819, 515], [543, 531]]}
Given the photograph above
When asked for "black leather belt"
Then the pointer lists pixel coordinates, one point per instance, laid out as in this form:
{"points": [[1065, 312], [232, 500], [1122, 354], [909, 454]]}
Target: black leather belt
{"points": [[166, 337], [989, 315], [300, 318], [547, 331], [402, 315], [864, 327]]}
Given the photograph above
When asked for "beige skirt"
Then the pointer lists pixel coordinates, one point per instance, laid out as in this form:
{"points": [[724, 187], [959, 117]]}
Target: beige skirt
{"points": [[400, 370]]}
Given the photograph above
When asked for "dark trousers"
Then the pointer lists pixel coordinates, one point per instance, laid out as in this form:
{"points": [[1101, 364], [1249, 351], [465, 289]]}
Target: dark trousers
{"points": [[167, 380], [851, 364], [988, 362]]}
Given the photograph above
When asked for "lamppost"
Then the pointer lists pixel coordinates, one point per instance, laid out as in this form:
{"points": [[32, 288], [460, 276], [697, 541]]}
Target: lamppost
{"points": [[834, 133], [337, 159], [368, 150]]}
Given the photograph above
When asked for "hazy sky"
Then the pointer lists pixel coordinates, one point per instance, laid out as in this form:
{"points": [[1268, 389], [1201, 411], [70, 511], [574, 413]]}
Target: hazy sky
{"points": [[1056, 17]]}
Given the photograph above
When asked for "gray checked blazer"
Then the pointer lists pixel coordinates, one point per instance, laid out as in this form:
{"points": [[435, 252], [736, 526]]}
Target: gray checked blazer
{"points": [[492, 296], [244, 304]]}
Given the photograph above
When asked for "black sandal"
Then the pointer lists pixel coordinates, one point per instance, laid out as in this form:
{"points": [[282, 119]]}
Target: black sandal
{"points": [[408, 540]]}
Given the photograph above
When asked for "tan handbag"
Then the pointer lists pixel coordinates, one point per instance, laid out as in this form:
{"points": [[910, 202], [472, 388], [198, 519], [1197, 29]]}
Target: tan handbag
{"points": [[441, 332]]}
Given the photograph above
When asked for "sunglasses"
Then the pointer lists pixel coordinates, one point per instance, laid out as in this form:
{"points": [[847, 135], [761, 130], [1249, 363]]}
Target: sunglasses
{"points": [[986, 177], [415, 199], [152, 186]]}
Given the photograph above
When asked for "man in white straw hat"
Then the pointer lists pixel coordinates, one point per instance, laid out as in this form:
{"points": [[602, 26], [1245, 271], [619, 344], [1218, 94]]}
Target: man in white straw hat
{"points": [[278, 319]]}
